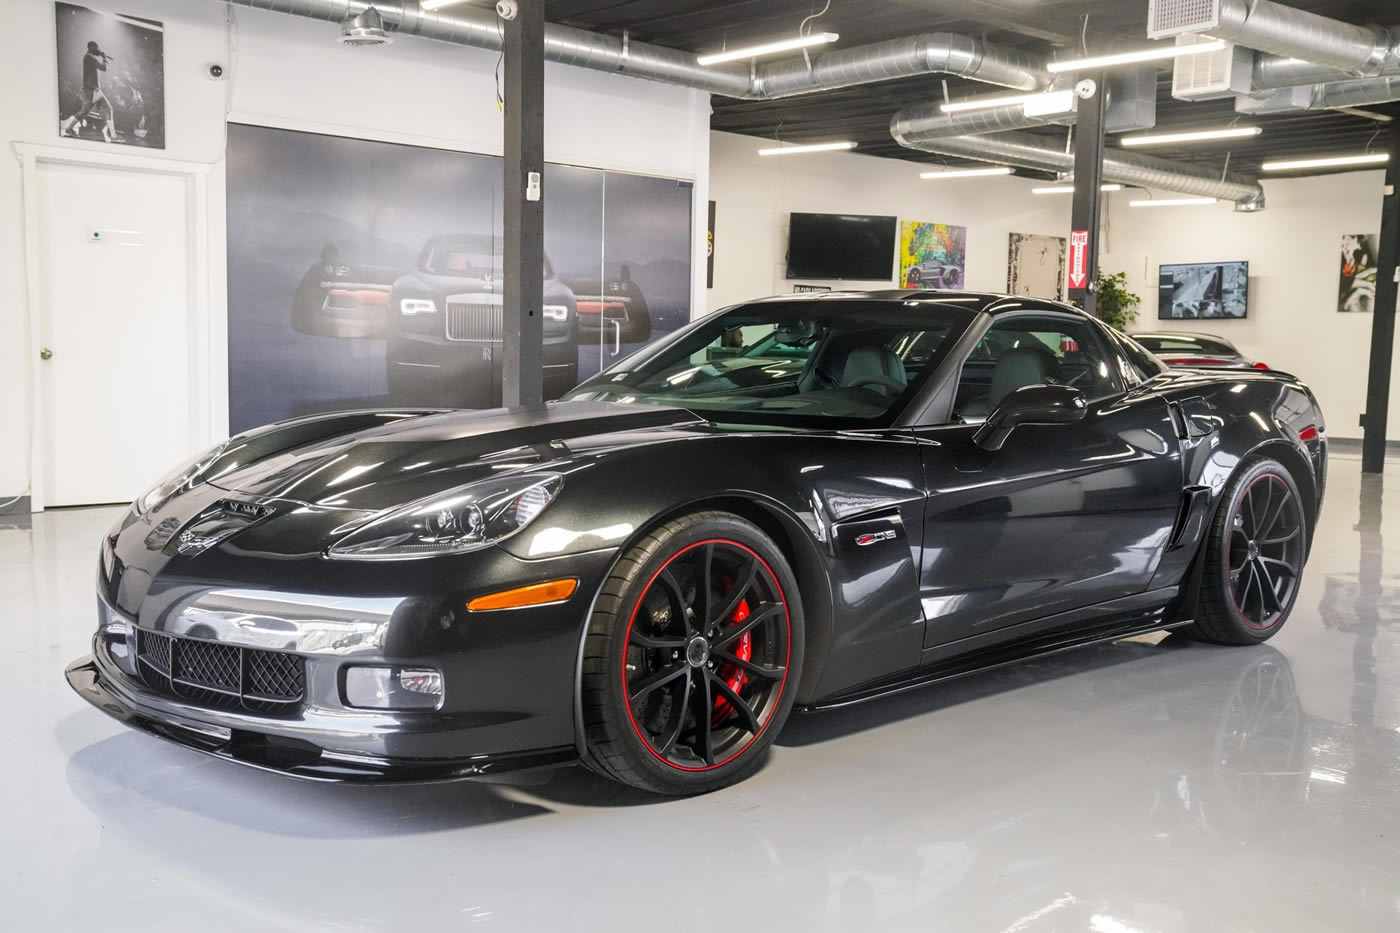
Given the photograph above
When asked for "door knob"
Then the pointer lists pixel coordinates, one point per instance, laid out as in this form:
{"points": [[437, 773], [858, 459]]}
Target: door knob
{"points": [[46, 354]]}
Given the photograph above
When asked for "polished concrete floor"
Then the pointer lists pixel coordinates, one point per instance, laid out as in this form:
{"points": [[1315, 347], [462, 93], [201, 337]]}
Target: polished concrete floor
{"points": [[1143, 787]]}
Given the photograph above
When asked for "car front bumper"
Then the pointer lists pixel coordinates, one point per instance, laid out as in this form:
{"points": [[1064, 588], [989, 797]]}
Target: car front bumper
{"points": [[509, 676], [276, 745]]}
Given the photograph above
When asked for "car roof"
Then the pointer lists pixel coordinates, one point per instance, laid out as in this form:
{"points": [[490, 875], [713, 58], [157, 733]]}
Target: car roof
{"points": [[986, 302]]}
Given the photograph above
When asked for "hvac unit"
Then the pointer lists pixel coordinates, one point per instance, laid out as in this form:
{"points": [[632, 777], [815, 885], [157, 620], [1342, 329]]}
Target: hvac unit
{"points": [[1167, 18], [1213, 75]]}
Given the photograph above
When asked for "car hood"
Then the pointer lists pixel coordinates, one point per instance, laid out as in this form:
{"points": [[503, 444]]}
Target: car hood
{"points": [[391, 465]]}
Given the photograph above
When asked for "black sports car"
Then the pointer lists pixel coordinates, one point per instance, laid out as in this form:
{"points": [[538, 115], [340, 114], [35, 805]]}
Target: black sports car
{"points": [[648, 576]]}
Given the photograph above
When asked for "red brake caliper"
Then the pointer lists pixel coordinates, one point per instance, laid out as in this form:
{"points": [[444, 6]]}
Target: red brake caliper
{"points": [[733, 676]]}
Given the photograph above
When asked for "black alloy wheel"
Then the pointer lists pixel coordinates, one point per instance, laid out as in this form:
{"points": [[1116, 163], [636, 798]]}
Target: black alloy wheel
{"points": [[691, 659], [1254, 562]]}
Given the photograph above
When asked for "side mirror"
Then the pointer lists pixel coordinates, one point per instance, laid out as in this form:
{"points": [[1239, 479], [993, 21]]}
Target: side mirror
{"points": [[1038, 404]]}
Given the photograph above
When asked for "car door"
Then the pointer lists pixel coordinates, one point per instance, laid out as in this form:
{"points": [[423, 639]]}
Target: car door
{"points": [[1063, 516]]}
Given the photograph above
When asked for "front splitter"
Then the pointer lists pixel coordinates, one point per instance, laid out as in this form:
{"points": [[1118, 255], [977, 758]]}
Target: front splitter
{"points": [[297, 758]]}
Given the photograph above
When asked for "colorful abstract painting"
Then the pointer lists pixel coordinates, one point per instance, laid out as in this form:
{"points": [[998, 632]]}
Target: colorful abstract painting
{"points": [[931, 255]]}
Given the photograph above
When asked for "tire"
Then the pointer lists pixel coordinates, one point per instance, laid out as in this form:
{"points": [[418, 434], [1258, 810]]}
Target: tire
{"points": [[1254, 557], [657, 685]]}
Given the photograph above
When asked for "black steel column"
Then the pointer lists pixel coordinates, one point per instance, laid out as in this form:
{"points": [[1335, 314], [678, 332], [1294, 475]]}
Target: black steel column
{"points": [[1383, 317], [522, 370], [1088, 194]]}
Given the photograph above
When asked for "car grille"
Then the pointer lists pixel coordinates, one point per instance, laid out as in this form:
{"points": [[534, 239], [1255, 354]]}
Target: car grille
{"points": [[226, 676], [480, 322]]}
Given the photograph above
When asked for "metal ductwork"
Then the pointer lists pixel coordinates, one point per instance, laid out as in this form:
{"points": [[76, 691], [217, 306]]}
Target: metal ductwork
{"points": [[1127, 168], [1360, 92], [1277, 71], [933, 53], [1271, 27], [920, 123]]}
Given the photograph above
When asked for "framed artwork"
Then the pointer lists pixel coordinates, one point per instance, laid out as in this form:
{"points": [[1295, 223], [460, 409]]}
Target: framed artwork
{"points": [[1036, 266], [1356, 291], [111, 77], [931, 255]]}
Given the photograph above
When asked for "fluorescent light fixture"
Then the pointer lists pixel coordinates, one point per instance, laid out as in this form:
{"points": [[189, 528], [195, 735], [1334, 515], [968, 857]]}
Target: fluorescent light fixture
{"points": [[1038, 103], [431, 5], [1165, 139], [1069, 189], [767, 48], [812, 147], [1366, 114], [1153, 54], [1172, 202], [1370, 158], [968, 172]]}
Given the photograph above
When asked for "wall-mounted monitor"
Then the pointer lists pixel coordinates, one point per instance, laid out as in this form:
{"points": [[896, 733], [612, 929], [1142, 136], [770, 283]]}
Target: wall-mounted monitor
{"points": [[840, 246], [1203, 290]]}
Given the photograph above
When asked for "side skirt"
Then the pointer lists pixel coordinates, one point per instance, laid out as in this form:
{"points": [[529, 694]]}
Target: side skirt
{"points": [[1001, 655]]}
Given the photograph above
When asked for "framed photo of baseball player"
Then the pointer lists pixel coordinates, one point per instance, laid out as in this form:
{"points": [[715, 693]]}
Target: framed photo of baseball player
{"points": [[111, 77]]}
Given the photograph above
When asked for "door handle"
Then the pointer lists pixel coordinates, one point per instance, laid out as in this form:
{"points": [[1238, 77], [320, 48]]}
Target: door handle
{"points": [[45, 354], [617, 337]]}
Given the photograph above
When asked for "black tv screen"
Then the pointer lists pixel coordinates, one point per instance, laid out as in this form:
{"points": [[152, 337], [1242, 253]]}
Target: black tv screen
{"points": [[840, 246], [1190, 291]]}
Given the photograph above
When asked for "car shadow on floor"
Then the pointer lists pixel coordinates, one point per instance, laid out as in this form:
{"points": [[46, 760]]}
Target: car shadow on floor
{"points": [[142, 782]]}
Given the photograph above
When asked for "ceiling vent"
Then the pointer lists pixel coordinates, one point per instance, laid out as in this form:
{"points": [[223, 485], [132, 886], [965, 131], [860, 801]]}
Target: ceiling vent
{"points": [[1214, 75], [1166, 18], [364, 31]]}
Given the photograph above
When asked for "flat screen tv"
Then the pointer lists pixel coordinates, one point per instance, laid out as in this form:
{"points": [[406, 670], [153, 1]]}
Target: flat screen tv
{"points": [[840, 246], [1202, 290]]}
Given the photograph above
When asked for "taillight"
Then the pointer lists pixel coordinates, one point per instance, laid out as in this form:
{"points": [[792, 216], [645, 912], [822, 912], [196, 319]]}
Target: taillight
{"points": [[1308, 434], [1261, 365], [1192, 362]]}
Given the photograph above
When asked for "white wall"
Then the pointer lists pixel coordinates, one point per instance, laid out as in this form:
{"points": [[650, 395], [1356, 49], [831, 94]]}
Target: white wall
{"points": [[1293, 248], [754, 195], [285, 71]]}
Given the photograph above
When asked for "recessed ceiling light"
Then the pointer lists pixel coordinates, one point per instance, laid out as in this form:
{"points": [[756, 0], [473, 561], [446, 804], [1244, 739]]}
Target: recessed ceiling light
{"points": [[968, 172], [1069, 189], [1370, 158], [1172, 202], [767, 48], [1165, 139], [1155, 53], [812, 147]]}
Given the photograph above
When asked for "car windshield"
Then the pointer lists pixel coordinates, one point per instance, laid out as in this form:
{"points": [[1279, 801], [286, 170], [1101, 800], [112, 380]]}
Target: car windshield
{"points": [[467, 255], [829, 362], [1185, 343]]}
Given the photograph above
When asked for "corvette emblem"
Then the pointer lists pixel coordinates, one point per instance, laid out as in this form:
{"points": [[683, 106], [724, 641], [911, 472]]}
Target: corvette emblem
{"points": [[191, 542], [874, 537]]}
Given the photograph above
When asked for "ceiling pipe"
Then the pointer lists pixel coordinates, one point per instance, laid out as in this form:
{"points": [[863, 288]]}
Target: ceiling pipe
{"points": [[1334, 95], [919, 123], [1027, 150], [1271, 27], [932, 53]]}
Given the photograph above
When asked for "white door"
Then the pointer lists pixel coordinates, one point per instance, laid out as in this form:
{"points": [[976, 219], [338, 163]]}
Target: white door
{"points": [[115, 324]]}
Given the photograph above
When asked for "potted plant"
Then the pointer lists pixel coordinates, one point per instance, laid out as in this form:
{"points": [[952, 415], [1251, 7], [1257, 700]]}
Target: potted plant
{"points": [[1116, 306]]}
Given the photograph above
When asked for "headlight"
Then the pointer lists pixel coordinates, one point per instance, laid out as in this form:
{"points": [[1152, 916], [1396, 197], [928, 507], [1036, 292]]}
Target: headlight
{"points": [[417, 306], [177, 480], [556, 312], [465, 519]]}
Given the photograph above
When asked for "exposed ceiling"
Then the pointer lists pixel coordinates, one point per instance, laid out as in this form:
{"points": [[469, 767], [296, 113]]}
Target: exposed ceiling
{"points": [[863, 113]]}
